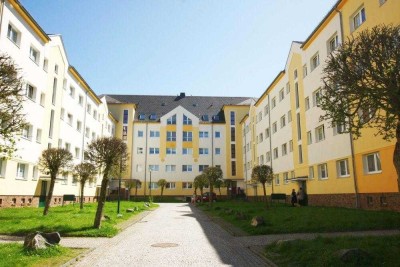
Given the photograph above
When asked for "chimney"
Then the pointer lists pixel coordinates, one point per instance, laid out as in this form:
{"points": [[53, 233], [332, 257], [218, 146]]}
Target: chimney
{"points": [[182, 95]]}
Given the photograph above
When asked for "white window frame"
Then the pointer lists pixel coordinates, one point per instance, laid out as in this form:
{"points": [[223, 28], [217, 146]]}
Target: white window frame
{"points": [[281, 94], [22, 170], [340, 164], [311, 172], [314, 61], [187, 151], [171, 136], [170, 168], [376, 161], [319, 133], [171, 120], [283, 121], [323, 171], [154, 150], [187, 168], [187, 136], [171, 151], [284, 149], [34, 55], [333, 43], [187, 185], [14, 35], [358, 18]]}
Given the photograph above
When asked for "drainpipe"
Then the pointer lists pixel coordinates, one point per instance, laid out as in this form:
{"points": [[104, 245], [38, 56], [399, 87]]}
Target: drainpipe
{"points": [[84, 126], [245, 157], [212, 145], [357, 196], [270, 139], [145, 161]]}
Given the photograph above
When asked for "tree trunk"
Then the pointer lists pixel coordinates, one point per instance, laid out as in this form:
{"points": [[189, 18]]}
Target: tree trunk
{"points": [[219, 189], [211, 193], [50, 195], [201, 194], [265, 194], [101, 202], [136, 192], [396, 154], [162, 191], [81, 199]]}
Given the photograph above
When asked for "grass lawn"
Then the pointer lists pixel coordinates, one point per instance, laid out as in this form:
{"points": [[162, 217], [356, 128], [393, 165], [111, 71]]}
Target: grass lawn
{"points": [[16, 255], [68, 220], [382, 251], [281, 218]]}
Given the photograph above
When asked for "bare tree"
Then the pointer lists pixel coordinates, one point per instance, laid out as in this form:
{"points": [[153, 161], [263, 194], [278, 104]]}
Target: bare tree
{"points": [[129, 184], [12, 120], [86, 172], [362, 85], [262, 174], [108, 154], [53, 161], [162, 183], [212, 174]]}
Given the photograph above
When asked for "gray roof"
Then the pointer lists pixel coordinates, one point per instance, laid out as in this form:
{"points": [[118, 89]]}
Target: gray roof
{"points": [[200, 106]]}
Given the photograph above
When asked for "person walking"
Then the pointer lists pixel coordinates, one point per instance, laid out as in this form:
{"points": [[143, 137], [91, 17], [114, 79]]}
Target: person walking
{"points": [[293, 198]]}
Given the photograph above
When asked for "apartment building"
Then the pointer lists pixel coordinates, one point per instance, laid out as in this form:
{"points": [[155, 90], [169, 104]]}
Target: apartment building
{"points": [[176, 137], [284, 129], [61, 111]]}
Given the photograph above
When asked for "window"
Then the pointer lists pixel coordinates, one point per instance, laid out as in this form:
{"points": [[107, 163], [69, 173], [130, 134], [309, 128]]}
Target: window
{"points": [[309, 138], [142, 116], [261, 160], [13, 34], [56, 68], [323, 171], [217, 134], [233, 136], [283, 121], [171, 150], [339, 129], [202, 167], [154, 133], [259, 116], [34, 172], [307, 103], [68, 146], [298, 126], [171, 136], [140, 133], [71, 92], [281, 94], [287, 88], [277, 181], [34, 55], [171, 120], [95, 114], [268, 157], [284, 149], [300, 154], [39, 136], [78, 126], [42, 99], [232, 114], [139, 168], [304, 70], [381, 2], [203, 134], [311, 172], [267, 133], [320, 133], [186, 120], [69, 119], [45, 64], [59, 143], [170, 168], [186, 168], [187, 151], [261, 137], [274, 127], [125, 116], [87, 132], [153, 117], [266, 110], [89, 108], [314, 61], [80, 100], [22, 170], [316, 97], [233, 167], [289, 116], [77, 152], [273, 102], [291, 146], [365, 115], [276, 155], [295, 74], [342, 167], [296, 91], [358, 19], [233, 151], [286, 177], [203, 151], [65, 84], [54, 95], [170, 185], [187, 185], [372, 163], [204, 117], [154, 168], [333, 43], [217, 151], [27, 132], [140, 150], [31, 92], [154, 150], [187, 136]]}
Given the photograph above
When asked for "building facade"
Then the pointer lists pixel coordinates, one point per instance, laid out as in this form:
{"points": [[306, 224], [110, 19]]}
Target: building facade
{"points": [[176, 137]]}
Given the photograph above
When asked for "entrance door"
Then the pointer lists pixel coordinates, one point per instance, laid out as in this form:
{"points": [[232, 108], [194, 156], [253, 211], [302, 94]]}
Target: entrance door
{"points": [[43, 193]]}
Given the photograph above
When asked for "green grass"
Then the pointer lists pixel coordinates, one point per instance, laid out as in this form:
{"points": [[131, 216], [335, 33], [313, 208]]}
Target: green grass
{"points": [[15, 255], [281, 218], [68, 220], [382, 251]]}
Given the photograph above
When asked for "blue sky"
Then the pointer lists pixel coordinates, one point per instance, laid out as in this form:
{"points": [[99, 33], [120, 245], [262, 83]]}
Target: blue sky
{"points": [[164, 47]]}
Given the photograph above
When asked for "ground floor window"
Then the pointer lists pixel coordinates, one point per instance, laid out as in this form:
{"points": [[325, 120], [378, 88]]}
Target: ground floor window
{"points": [[170, 185], [21, 170], [342, 168], [372, 163], [153, 185], [187, 185], [323, 171]]}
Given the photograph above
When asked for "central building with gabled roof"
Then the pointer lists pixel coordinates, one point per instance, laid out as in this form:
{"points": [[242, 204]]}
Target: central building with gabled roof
{"points": [[176, 137]]}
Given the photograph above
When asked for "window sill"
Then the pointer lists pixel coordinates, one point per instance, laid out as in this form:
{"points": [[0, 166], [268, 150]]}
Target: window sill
{"points": [[21, 178], [323, 179], [344, 176], [371, 173], [34, 61], [16, 44]]}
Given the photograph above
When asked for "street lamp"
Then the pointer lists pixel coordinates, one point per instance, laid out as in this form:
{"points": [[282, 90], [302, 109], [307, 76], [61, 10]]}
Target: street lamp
{"points": [[150, 184], [119, 186]]}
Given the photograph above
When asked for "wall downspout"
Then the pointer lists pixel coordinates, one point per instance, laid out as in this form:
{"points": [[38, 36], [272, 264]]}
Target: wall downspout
{"points": [[212, 145], [270, 139], [353, 162], [1, 13], [245, 157], [145, 161]]}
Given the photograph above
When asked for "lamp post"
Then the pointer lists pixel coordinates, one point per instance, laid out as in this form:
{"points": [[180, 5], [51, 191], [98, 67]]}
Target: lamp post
{"points": [[119, 186]]}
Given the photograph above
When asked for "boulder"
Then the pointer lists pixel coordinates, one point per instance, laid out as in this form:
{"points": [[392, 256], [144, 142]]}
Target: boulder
{"points": [[105, 218], [52, 238], [353, 255], [36, 241], [257, 221]]}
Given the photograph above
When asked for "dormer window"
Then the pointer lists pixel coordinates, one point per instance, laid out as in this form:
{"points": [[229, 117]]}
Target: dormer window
{"points": [[215, 118], [204, 118], [142, 117], [153, 116]]}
